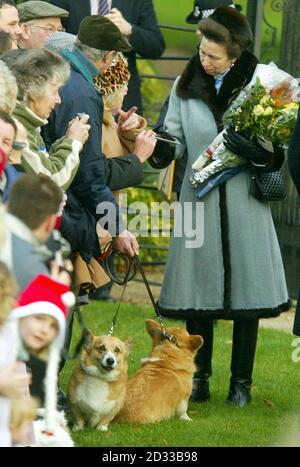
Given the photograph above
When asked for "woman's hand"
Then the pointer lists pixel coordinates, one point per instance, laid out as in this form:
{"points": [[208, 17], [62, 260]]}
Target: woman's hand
{"points": [[13, 384], [249, 149], [129, 120], [79, 129], [63, 273], [144, 144], [253, 152]]}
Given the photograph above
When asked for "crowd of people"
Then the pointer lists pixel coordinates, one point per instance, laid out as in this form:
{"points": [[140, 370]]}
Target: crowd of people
{"points": [[72, 135]]}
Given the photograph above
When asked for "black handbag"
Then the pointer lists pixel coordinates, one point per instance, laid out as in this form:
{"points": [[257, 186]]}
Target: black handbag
{"points": [[268, 186]]}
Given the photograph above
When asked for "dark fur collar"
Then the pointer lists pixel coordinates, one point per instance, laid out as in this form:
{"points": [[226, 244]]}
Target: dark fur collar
{"points": [[196, 84]]}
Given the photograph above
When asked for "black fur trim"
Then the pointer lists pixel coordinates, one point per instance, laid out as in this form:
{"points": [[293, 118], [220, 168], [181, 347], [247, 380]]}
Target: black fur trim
{"points": [[195, 83], [221, 314], [225, 248]]}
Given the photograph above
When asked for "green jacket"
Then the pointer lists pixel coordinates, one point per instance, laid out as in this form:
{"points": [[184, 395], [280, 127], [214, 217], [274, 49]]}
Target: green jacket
{"points": [[61, 163]]}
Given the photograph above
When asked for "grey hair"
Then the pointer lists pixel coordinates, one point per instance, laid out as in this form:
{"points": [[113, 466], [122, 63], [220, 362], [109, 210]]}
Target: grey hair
{"points": [[90, 52], [34, 69], [8, 89]]}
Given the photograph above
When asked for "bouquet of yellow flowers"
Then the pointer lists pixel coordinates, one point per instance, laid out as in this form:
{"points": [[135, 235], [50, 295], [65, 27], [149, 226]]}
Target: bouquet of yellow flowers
{"points": [[266, 110]]}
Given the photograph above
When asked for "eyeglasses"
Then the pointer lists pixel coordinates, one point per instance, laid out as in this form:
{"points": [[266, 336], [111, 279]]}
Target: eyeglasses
{"points": [[49, 29]]}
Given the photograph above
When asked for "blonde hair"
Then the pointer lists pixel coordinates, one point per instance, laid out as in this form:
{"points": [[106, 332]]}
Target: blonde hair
{"points": [[7, 291], [22, 410], [8, 89], [114, 99]]}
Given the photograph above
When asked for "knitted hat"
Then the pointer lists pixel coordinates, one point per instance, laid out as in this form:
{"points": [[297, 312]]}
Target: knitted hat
{"points": [[234, 22], [34, 9], [115, 77], [59, 41], [102, 34], [45, 296]]}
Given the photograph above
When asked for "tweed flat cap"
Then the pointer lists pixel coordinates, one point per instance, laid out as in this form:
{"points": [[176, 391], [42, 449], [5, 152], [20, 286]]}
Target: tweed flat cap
{"points": [[59, 41], [102, 34], [35, 9]]}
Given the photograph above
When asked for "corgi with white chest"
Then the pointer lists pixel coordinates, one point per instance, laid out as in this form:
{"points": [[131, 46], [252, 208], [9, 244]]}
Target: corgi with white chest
{"points": [[97, 387]]}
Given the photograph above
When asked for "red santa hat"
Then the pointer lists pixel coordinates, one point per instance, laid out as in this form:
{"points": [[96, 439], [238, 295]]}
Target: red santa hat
{"points": [[45, 296]]}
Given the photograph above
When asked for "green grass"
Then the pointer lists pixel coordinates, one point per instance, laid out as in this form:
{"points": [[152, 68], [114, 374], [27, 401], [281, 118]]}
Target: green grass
{"points": [[214, 424]]}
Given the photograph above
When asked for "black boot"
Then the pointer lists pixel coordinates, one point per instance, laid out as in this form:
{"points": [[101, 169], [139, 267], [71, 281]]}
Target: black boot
{"points": [[242, 361], [200, 392]]}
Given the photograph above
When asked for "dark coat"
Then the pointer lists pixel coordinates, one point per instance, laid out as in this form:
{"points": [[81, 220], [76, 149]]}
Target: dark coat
{"points": [[37, 368], [294, 156], [80, 95], [294, 166], [97, 175], [78, 224], [146, 38]]}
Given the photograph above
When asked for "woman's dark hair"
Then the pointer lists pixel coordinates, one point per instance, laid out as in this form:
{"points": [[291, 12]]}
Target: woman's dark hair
{"points": [[227, 27]]}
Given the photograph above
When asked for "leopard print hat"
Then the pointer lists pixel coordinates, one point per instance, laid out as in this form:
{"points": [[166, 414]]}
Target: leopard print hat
{"points": [[116, 76]]}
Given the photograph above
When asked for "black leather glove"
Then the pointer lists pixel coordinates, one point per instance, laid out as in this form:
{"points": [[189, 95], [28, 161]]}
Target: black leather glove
{"points": [[249, 149], [164, 153], [252, 151]]}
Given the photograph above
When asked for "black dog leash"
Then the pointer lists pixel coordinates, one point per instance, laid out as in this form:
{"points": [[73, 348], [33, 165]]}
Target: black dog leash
{"points": [[83, 338], [133, 265]]}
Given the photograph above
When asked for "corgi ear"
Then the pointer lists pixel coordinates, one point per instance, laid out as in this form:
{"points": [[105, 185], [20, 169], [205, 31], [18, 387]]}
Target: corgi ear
{"points": [[129, 344], [152, 325], [195, 342], [88, 342]]}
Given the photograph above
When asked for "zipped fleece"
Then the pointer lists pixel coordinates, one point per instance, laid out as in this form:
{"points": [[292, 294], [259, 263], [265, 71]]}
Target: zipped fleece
{"points": [[62, 161]]}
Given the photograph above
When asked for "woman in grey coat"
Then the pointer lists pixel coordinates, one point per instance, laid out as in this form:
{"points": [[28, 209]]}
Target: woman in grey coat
{"points": [[229, 266]]}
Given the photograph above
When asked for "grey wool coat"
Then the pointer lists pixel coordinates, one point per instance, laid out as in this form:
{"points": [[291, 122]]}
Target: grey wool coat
{"points": [[234, 269]]}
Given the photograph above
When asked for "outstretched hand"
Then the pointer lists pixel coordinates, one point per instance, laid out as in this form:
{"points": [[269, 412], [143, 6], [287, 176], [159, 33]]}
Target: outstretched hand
{"points": [[129, 120]]}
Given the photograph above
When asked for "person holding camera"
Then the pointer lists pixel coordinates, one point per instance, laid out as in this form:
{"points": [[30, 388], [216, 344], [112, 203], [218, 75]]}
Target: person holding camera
{"points": [[33, 206], [37, 97]]}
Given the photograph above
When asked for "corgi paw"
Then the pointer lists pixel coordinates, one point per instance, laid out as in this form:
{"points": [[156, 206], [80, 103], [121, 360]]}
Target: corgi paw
{"points": [[102, 428], [185, 418], [78, 427]]}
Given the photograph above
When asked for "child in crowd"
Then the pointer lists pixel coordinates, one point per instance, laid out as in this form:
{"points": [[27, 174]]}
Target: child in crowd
{"points": [[42, 315]]}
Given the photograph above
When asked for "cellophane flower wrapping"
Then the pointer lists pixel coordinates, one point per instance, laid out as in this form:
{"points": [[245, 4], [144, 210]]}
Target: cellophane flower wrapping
{"points": [[266, 109]]}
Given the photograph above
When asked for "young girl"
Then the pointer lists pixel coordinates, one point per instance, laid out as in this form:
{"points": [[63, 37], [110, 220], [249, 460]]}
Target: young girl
{"points": [[42, 316]]}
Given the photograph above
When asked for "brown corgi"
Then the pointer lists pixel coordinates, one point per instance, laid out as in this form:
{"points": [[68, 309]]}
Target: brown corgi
{"points": [[97, 387], [162, 386]]}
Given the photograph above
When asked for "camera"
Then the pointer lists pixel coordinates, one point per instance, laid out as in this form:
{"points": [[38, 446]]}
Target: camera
{"points": [[59, 249]]}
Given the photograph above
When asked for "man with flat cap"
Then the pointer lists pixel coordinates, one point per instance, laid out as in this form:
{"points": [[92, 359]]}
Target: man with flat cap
{"points": [[95, 48], [38, 21], [138, 23]]}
